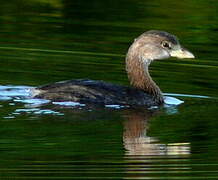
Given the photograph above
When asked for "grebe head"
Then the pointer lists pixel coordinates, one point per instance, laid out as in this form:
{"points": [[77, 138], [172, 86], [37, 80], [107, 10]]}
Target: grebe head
{"points": [[155, 45], [151, 45]]}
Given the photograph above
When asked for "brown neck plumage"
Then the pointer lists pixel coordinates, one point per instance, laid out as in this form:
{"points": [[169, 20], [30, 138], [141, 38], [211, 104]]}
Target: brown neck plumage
{"points": [[138, 74]]}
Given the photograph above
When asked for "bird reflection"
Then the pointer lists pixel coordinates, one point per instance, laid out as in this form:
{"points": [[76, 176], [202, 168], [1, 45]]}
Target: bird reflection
{"points": [[137, 142]]}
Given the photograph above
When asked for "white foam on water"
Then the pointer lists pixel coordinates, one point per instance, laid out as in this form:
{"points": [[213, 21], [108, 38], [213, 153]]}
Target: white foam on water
{"points": [[172, 101], [32, 101], [68, 103], [186, 95], [115, 106], [37, 111], [9, 92]]}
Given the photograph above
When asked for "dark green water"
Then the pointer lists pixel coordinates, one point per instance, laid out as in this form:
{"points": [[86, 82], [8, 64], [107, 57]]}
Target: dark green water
{"points": [[44, 41]]}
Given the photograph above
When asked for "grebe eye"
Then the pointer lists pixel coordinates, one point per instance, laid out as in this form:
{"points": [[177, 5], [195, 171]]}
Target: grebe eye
{"points": [[166, 45]]}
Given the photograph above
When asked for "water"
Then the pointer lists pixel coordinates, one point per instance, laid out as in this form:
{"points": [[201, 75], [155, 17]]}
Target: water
{"points": [[44, 41]]}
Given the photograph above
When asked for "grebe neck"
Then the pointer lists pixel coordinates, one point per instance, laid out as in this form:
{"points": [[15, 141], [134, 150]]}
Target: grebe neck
{"points": [[138, 74]]}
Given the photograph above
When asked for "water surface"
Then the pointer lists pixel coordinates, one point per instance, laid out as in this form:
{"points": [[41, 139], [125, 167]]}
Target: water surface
{"points": [[44, 41]]}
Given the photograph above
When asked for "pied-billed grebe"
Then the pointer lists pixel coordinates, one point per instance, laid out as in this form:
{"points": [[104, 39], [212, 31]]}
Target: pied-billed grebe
{"points": [[151, 45]]}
